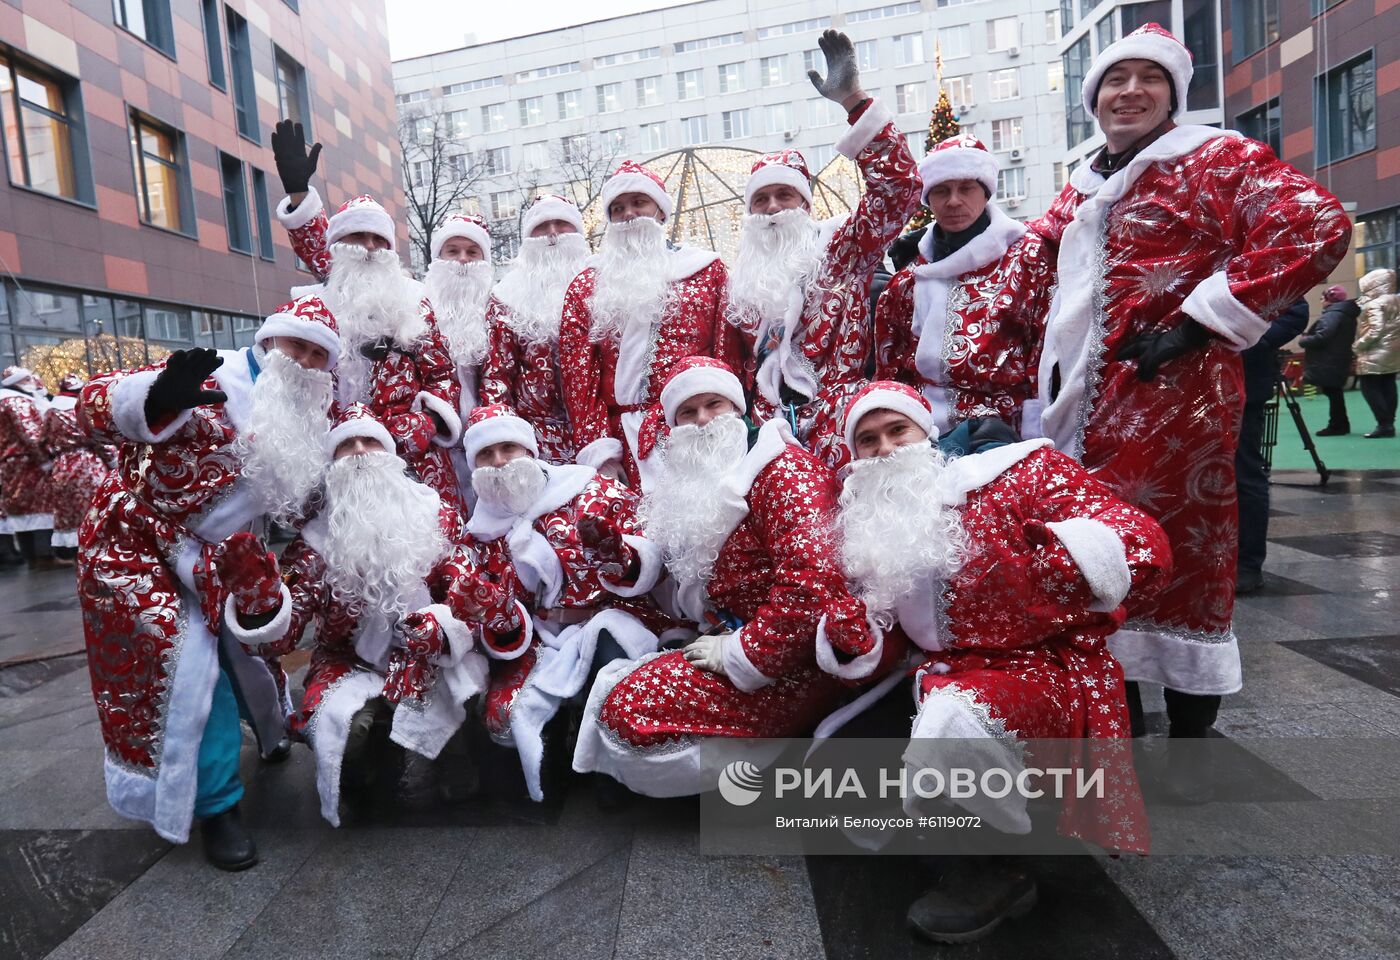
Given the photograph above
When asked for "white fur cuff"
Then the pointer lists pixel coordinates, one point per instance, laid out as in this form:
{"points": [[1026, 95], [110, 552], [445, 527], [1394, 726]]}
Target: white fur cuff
{"points": [[527, 634], [1214, 307], [1099, 553], [651, 563], [256, 637], [450, 418], [857, 669], [304, 213], [864, 130], [600, 451], [129, 409], [737, 665], [458, 634]]}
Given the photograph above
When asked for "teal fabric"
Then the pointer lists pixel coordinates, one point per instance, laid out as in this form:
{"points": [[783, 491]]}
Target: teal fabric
{"points": [[218, 786]]}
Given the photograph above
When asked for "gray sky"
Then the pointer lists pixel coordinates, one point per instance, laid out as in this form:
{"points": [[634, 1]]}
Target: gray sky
{"points": [[418, 27]]}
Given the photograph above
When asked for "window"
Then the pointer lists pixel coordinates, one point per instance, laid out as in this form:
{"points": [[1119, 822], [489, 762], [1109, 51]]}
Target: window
{"points": [[240, 58], [1201, 35], [819, 156], [292, 100], [213, 43], [503, 205], [865, 54], [1055, 75], [955, 42], [169, 324], [495, 161], [822, 112], [955, 3], [648, 91], [493, 118], [162, 174], [262, 212], [631, 56], [1137, 14], [959, 91], [614, 140], [813, 60], [731, 78], [908, 49], [1052, 25], [1374, 242], [455, 88], [1253, 26], [421, 173], [909, 98], [688, 85], [1003, 33], [1264, 123], [574, 148], [778, 118], [1346, 110], [1106, 30], [41, 125], [458, 124], [880, 13], [1011, 183], [1317, 6], [1079, 123], [1066, 16], [535, 156], [553, 70], [413, 96], [1006, 134], [772, 71], [149, 20], [797, 26], [609, 97], [1006, 84], [1059, 174], [424, 129], [240, 237], [570, 104], [653, 136], [694, 131], [736, 124], [705, 43], [531, 111]]}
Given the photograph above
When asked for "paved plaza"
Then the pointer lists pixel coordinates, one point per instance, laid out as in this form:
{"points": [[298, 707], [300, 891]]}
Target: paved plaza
{"points": [[505, 878]]}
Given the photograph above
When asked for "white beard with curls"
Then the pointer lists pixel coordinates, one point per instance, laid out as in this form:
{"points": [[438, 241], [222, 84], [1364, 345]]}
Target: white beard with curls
{"points": [[536, 283], [370, 298], [281, 449], [689, 513], [383, 534], [510, 489], [777, 254], [458, 293], [631, 282], [896, 532]]}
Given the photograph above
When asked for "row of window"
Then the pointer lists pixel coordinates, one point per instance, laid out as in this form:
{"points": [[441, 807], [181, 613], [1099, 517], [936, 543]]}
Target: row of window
{"points": [[1344, 113]]}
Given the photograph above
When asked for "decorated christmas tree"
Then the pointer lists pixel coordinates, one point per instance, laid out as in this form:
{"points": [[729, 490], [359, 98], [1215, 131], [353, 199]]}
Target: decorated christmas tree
{"points": [[942, 124]]}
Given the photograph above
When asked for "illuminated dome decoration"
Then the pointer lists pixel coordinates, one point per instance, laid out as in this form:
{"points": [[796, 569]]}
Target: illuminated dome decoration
{"points": [[89, 357], [707, 186]]}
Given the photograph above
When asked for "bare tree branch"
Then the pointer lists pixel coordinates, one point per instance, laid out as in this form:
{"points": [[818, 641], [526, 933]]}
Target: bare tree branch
{"points": [[438, 174]]}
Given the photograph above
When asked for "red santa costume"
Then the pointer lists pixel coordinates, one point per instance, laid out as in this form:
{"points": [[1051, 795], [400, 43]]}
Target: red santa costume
{"points": [[965, 329], [1201, 225], [1007, 569], [747, 535], [24, 461], [80, 464], [639, 307], [369, 573], [535, 531], [396, 360], [150, 591], [800, 290], [522, 367]]}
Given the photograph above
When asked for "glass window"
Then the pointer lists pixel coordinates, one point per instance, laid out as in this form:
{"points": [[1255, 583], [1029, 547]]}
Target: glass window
{"points": [[822, 112], [496, 160], [1079, 123], [819, 156], [574, 148], [235, 204], [1253, 26], [292, 101], [570, 104], [609, 97], [240, 58], [909, 98], [162, 174], [459, 124], [262, 213], [1005, 84], [169, 325], [688, 85], [212, 329], [1346, 110], [653, 136], [908, 49], [779, 118], [736, 124], [959, 91], [796, 26], [648, 91], [1202, 38], [865, 54], [493, 118], [147, 19], [47, 309], [213, 43], [1059, 176], [531, 111], [1066, 16], [731, 78], [694, 131], [1374, 242], [955, 42], [1006, 134], [1003, 33], [43, 134], [1055, 75], [1264, 123], [614, 140], [1136, 14], [772, 71], [503, 205], [1052, 25], [1011, 183]]}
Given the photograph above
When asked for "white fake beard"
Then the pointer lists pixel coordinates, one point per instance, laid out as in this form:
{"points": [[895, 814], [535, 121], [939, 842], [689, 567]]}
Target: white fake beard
{"points": [[688, 513], [369, 297], [282, 448], [510, 489], [458, 293], [896, 532], [631, 284], [542, 272], [777, 253], [383, 533]]}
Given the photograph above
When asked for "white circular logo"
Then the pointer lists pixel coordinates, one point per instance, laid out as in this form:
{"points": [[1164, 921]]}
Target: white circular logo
{"points": [[740, 783]]}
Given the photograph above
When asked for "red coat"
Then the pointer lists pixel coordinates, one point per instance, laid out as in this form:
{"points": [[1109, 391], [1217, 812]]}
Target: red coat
{"points": [[23, 481], [1202, 224], [79, 467], [525, 376]]}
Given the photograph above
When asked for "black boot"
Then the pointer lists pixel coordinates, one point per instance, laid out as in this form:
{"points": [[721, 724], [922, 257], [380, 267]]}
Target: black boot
{"points": [[1380, 432], [227, 845], [1331, 431], [368, 771], [279, 753], [971, 900], [1248, 580], [459, 779]]}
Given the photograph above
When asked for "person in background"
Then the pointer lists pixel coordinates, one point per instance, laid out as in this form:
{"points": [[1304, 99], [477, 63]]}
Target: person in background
{"points": [[1327, 357], [1377, 348]]}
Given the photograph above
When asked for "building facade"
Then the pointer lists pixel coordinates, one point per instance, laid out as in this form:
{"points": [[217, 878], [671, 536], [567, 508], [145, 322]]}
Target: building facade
{"points": [[734, 73], [137, 207]]}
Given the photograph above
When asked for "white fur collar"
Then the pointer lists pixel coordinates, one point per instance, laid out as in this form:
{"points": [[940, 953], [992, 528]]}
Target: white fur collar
{"points": [[771, 443], [976, 470], [987, 247], [1176, 142], [63, 402], [10, 393]]}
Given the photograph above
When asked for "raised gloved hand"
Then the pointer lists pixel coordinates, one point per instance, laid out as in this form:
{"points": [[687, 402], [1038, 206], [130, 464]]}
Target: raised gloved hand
{"points": [[180, 385], [295, 164], [842, 80], [705, 653], [1155, 349], [478, 599], [412, 670], [605, 543], [248, 571], [414, 430]]}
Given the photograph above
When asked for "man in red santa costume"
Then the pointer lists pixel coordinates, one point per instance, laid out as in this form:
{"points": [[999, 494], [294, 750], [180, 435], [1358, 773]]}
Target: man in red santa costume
{"points": [[800, 289], [396, 359], [746, 531], [642, 304], [1177, 246], [209, 443], [1006, 569], [963, 323], [389, 664], [564, 570], [80, 464], [522, 368], [25, 509]]}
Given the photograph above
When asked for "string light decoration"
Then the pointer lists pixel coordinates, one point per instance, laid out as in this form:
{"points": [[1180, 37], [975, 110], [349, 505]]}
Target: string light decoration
{"points": [[89, 357]]}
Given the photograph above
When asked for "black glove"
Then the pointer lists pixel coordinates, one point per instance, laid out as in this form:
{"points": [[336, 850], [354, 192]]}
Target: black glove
{"points": [[295, 165], [180, 386], [842, 77], [1155, 349]]}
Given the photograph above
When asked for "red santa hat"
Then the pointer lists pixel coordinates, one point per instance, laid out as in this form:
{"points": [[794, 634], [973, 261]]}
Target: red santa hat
{"points": [[306, 318], [1151, 41], [13, 375], [888, 395], [632, 177], [547, 207], [960, 157], [71, 383], [785, 167], [496, 423], [360, 214], [357, 421], [466, 227]]}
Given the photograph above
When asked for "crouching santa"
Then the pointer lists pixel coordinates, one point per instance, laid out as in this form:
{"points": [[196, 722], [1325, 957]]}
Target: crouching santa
{"points": [[1006, 570], [564, 580], [391, 663], [745, 528]]}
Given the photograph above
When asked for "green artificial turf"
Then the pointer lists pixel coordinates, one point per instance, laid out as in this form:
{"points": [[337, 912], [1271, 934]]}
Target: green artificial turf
{"points": [[1351, 452]]}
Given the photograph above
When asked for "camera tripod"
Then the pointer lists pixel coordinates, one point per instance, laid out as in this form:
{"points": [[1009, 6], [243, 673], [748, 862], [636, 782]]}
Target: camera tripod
{"points": [[1284, 391]]}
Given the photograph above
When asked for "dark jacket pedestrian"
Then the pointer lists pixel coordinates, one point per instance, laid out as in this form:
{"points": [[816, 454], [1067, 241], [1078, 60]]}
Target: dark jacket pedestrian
{"points": [[1327, 356]]}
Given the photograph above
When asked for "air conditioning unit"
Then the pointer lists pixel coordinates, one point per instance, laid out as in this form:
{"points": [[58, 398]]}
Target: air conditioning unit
{"points": [[789, 135], [1013, 51], [1013, 202], [1016, 154]]}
